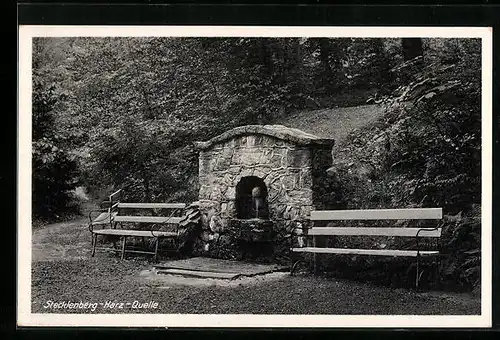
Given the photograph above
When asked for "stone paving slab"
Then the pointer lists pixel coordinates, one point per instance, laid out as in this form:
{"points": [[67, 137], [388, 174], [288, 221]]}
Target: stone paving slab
{"points": [[218, 267]]}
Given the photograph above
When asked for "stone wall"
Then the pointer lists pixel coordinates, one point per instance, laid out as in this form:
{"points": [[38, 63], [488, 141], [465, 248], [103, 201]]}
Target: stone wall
{"points": [[285, 168], [291, 164]]}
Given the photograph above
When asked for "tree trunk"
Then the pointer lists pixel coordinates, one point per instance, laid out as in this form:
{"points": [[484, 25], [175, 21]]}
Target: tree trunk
{"points": [[330, 55], [412, 48], [145, 182], [295, 64], [324, 53], [382, 64], [266, 59]]}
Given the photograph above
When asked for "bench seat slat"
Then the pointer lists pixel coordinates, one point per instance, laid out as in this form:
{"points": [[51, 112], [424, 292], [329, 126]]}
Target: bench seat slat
{"points": [[140, 233], [147, 219], [152, 205], [377, 214], [374, 231], [380, 252]]}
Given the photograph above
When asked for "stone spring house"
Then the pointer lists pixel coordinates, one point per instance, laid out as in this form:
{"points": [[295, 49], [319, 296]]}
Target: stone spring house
{"points": [[288, 165]]}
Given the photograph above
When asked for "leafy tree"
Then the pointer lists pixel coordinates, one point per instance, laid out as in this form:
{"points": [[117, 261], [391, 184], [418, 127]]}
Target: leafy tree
{"points": [[54, 169]]}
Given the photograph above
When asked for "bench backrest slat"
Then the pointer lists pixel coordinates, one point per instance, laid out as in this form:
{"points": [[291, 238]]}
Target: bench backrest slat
{"points": [[147, 219], [373, 231], [377, 214], [152, 205]]}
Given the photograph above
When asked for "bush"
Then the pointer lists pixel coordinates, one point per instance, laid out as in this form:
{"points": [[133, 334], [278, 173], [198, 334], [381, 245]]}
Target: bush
{"points": [[425, 151], [461, 267]]}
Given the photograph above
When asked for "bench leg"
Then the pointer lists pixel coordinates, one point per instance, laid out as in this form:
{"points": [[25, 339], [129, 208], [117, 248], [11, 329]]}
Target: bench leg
{"points": [[388, 273], [123, 246], [418, 273], [294, 266], [156, 249], [315, 258], [438, 272], [94, 242]]}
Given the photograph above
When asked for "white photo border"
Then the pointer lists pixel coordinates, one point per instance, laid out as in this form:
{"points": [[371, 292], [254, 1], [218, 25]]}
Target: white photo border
{"points": [[24, 232]]}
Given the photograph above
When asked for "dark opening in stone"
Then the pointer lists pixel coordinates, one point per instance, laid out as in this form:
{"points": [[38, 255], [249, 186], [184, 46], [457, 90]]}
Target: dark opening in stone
{"points": [[251, 198]]}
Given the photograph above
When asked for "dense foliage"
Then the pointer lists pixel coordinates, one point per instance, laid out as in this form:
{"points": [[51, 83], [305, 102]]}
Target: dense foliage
{"points": [[123, 113], [137, 104], [425, 151]]}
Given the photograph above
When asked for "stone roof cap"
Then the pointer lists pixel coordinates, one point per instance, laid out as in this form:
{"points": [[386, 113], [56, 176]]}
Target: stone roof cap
{"points": [[292, 135]]}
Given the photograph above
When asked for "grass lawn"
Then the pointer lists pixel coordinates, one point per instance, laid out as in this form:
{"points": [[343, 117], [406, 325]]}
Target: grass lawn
{"points": [[104, 279], [62, 270]]}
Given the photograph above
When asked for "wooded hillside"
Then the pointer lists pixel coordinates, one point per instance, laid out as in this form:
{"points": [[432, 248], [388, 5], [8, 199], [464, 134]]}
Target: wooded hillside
{"points": [[123, 113]]}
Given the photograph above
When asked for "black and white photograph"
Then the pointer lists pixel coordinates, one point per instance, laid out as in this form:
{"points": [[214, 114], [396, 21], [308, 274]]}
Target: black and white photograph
{"points": [[245, 176]]}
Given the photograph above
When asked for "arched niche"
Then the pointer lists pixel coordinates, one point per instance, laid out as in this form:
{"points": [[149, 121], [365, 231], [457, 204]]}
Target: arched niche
{"points": [[246, 206]]}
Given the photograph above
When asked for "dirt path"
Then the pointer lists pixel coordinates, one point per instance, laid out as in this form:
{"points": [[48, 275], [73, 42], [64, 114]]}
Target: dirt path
{"points": [[68, 240], [63, 241]]}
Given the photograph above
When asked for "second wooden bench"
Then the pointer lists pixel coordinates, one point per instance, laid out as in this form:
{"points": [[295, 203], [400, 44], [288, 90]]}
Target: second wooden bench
{"points": [[375, 214], [115, 218]]}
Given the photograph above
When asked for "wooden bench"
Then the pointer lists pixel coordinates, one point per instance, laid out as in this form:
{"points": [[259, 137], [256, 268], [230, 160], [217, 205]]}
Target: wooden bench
{"points": [[382, 214], [114, 217]]}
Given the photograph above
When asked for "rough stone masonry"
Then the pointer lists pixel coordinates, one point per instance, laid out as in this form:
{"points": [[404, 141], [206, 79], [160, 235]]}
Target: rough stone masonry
{"points": [[291, 163]]}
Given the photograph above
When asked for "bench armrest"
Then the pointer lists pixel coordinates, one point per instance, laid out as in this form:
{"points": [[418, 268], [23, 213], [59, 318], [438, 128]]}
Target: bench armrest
{"points": [[105, 204], [417, 237], [91, 221], [425, 229], [95, 211]]}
